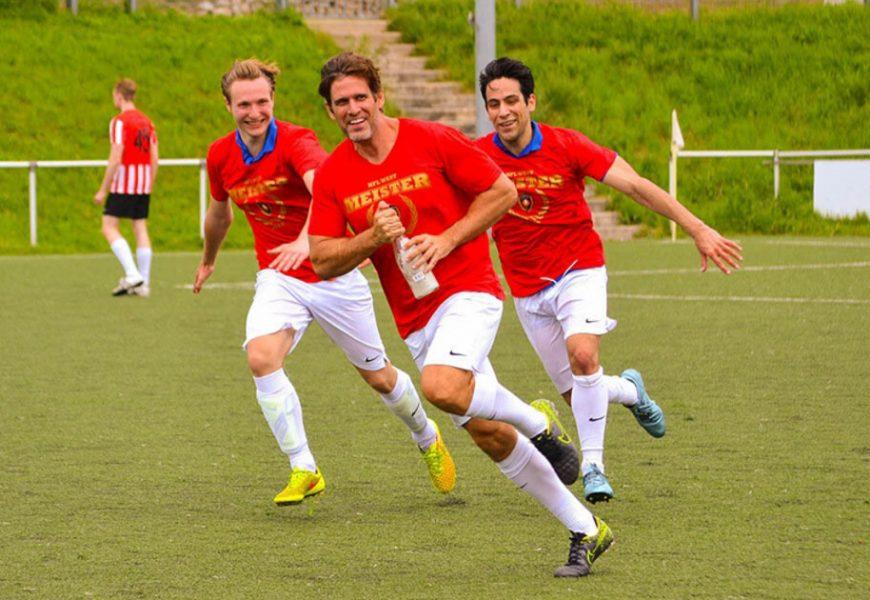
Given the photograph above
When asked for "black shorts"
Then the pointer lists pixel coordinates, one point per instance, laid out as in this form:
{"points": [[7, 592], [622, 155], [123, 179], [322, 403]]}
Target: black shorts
{"points": [[127, 206]]}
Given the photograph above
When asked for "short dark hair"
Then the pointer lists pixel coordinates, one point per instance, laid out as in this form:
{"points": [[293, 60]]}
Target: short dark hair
{"points": [[511, 69], [348, 64]]}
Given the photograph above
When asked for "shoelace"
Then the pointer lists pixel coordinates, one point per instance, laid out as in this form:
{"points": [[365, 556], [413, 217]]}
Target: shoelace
{"points": [[575, 551], [433, 459]]}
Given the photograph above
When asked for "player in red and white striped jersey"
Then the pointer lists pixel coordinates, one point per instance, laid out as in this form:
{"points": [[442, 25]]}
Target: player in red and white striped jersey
{"points": [[126, 188]]}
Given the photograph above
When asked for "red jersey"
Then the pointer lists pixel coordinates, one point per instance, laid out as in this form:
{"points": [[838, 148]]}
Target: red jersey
{"points": [[431, 176], [135, 132], [549, 231], [269, 188]]}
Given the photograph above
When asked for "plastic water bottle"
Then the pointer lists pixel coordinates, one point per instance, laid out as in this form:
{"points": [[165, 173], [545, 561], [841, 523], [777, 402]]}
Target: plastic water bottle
{"points": [[422, 284]]}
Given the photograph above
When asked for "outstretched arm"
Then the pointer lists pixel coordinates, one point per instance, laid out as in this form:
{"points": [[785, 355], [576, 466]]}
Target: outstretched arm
{"points": [[725, 253], [217, 222]]}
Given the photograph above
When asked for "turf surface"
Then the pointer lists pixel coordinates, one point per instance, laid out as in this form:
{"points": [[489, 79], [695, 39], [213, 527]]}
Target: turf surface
{"points": [[135, 462]]}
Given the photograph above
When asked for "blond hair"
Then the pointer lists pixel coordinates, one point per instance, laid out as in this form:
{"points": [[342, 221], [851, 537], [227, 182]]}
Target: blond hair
{"points": [[126, 88], [249, 70]]}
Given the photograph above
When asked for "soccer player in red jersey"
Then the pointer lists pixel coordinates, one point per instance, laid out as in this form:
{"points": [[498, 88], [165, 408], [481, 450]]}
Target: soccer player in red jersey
{"points": [[267, 168], [553, 259], [395, 177], [127, 183]]}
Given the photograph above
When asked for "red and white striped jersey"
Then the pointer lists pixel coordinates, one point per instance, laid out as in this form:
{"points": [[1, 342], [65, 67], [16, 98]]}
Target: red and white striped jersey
{"points": [[136, 133]]}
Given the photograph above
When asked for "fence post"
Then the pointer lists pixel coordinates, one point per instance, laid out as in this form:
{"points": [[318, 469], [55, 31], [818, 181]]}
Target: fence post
{"points": [[696, 9], [281, 4], [32, 192], [202, 198], [677, 143], [776, 173], [73, 6], [484, 52], [131, 6]]}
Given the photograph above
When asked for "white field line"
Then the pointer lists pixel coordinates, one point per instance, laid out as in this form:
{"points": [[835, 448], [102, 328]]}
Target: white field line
{"points": [[823, 243], [785, 300], [751, 268]]}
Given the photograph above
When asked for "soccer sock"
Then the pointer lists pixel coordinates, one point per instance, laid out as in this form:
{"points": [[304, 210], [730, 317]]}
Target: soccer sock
{"points": [[493, 401], [528, 468], [280, 405], [404, 402], [143, 260], [122, 251], [620, 391], [589, 405]]}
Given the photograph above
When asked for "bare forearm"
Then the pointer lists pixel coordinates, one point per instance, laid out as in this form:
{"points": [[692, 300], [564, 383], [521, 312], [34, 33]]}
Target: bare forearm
{"points": [[215, 228], [332, 257], [483, 212], [648, 194], [111, 169]]}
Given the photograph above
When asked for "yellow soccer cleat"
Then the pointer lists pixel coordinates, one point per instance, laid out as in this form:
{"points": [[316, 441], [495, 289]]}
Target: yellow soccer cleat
{"points": [[442, 470], [302, 485]]}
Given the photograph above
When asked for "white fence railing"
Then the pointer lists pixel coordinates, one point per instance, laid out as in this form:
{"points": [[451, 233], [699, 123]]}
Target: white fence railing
{"points": [[776, 157], [32, 166]]}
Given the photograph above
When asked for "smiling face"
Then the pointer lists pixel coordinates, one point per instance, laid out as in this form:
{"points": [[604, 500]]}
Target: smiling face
{"points": [[355, 108], [509, 112], [251, 103]]}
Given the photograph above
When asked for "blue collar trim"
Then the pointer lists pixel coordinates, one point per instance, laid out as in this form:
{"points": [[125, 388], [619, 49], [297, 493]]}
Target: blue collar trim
{"points": [[268, 146], [534, 145]]}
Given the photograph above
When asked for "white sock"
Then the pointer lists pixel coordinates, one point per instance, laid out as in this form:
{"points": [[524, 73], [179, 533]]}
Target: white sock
{"points": [[404, 402], [122, 252], [494, 402], [620, 391], [589, 405], [143, 260], [528, 468], [280, 405]]}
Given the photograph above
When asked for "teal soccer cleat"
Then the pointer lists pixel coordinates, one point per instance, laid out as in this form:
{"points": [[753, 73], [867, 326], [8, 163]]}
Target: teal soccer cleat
{"points": [[646, 411], [596, 487]]}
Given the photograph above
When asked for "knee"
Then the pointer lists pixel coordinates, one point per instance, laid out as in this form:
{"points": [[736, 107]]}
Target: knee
{"points": [[262, 361], [496, 439], [448, 390], [109, 232], [382, 381], [584, 361]]}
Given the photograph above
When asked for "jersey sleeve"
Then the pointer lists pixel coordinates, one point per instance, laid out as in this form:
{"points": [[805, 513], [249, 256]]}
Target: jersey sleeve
{"points": [[327, 218], [116, 131], [305, 152], [465, 164], [591, 159], [215, 181]]}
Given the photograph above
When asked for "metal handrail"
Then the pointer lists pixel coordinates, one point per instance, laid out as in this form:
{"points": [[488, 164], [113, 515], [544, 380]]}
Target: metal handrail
{"points": [[677, 151], [33, 165]]}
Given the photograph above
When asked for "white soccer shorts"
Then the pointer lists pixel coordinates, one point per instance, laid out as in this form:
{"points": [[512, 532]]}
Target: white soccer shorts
{"points": [[460, 334], [577, 303], [341, 306]]}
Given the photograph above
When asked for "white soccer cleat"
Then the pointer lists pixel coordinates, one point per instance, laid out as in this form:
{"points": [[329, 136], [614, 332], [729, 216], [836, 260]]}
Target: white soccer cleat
{"points": [[126, 285], [143, 291]]}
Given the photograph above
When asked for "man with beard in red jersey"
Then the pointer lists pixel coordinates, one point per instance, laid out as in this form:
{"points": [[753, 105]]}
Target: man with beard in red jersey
{"points": [[396, 177]]}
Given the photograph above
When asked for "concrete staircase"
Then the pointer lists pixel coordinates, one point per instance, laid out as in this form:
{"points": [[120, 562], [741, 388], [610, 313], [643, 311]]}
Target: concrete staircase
{"points": [[421, 93]]}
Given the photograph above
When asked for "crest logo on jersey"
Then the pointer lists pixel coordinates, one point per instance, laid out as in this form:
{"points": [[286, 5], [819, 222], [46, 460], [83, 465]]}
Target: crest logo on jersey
{"points": [[526, 202]]}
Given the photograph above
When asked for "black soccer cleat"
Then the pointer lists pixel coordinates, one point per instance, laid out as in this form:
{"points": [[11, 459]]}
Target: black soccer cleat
{"points": [[555, 444]]}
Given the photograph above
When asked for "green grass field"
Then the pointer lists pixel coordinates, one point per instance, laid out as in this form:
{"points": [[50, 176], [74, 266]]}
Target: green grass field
{"points": [[135, 462]]}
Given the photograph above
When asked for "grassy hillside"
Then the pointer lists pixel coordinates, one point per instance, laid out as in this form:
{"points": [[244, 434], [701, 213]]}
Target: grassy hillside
{"points": [[790, 78], [59, 72]]}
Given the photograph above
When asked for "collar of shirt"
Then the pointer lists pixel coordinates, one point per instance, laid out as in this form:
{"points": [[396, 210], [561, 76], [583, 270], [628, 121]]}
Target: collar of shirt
{"points": [[534, 145], [268, 145]]}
